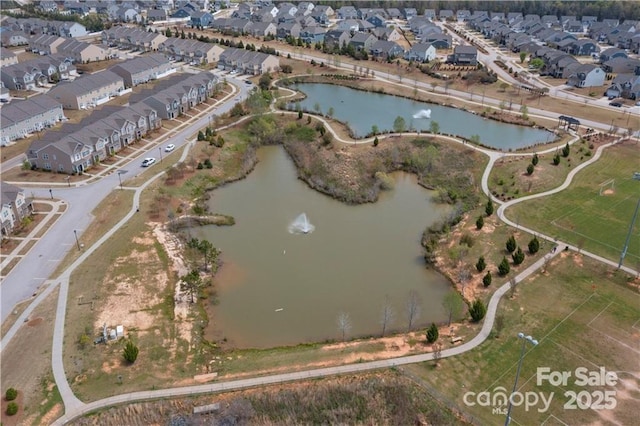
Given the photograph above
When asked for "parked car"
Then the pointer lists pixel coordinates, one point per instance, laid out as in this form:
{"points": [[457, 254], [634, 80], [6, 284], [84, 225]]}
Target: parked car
{"points": [[148, 161], [169, 148], [615, 104]]}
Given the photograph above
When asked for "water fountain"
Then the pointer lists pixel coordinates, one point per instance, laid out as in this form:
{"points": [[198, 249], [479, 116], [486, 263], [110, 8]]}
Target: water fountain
{"points": [[301, 225], [423, 113]]}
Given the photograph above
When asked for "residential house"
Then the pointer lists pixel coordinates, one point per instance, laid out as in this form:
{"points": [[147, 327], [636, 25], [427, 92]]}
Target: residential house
{"points": [[584, 47], [7, 57], [320, 16], [313, 34], [409, 13], [421, 52], [67, 29], [306, 7], [384, 49], [377, 21], [288, 29], [191, 50], [132, 38], [23, 117], [347, 12], [336, 39], [15, 207], [34, 73], [621, 65], [430, 14], [446, 15], [625, 86], [394, 13], [438, 40], [326, 9], [387, 33], [47, 7], [45, 44], [634, 44], [201, 19], [464, 55], [13, 38], [248, 62], [574, 26], [182, 13], [263, 29], [81, 52], [75, 7], [550, 21], [154, 15], [362, 41], [143, 69], [89, 90], [587, 75], [612, 53]]}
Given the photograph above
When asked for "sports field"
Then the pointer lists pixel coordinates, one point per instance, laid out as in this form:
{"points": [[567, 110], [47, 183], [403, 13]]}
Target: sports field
{"points": [[586, 319], [595, 212]]}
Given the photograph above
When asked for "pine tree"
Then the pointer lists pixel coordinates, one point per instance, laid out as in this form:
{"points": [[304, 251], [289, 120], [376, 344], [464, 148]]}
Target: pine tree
{"points": [[477, 310], [504, 268], [481, 264], [534, 245], [486, 280], [534, 160], [479, 223], [432, 333], [489, 208], [130, 352], [518, 256], [511, 244]]}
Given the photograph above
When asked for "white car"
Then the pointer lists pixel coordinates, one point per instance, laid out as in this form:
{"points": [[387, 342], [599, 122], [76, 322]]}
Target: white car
{"points": [[148, 161], [169, 148]]}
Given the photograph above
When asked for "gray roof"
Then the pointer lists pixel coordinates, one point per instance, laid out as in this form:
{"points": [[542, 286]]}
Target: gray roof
{"points": [[18, 111], [140, 64], [87, 83]]}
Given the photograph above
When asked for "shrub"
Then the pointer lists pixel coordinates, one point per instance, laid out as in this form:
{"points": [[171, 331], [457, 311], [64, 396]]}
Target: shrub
{"points": [[376, 141], [489, 208], [200, 136], [467, 240], [477, 310], [566, 150], [130, 352], [11, 394], [534, 159], [534, 245], [12, 409], [479, 223], [481, 264], [432, 333], [530, 169], [518, 256], [504, 268], [511, 244], [486, 280]]}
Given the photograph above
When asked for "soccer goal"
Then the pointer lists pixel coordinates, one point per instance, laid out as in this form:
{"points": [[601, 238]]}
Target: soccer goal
{"points": [[607, 187]]}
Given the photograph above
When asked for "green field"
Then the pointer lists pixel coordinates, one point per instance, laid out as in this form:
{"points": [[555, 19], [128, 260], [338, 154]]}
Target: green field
{"points": [[583, 315], [582, 216]]}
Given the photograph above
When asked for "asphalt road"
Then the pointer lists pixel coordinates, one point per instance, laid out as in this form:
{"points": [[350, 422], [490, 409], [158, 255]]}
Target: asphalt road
{"points": [[40, 262]]}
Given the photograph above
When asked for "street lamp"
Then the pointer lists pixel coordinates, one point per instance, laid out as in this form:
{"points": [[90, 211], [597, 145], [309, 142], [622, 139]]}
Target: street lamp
{"points": [[75, 233], [51, 193], [160, 151], [636, 176], [525, 339], [121, 172], [68, 179]]}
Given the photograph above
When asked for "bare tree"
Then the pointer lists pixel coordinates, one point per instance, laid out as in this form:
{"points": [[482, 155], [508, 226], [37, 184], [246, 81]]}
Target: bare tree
{"points": [[512, 287], [386, 315], [412, 308], [344, 324], [499, 324], [437, 353], [453, 303]]}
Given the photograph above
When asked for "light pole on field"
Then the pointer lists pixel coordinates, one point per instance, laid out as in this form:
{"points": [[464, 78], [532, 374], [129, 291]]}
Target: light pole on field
{"points": [[636, 176], [525, 339]]}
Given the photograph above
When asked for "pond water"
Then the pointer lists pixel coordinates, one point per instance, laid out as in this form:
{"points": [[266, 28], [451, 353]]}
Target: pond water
{"points": [[286, 277], [361, 110]]}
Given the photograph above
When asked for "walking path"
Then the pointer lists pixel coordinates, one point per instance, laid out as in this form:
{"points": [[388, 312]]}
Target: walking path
{"points": [[75, 408]]}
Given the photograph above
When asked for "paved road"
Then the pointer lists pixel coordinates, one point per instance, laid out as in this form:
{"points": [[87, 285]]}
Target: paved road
{"points": [[40, 262]]}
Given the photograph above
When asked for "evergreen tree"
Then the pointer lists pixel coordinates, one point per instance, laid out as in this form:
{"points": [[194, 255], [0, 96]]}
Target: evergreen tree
{"points": [[511, 244], [489, 208], [130, 352], [504, 268], [556, 159], [481, 264], [477, 310], [566, 150], [518, 256], [530, 169], [486, 280], [534, 159], [479, 223], [432, 333], [534, 245]]}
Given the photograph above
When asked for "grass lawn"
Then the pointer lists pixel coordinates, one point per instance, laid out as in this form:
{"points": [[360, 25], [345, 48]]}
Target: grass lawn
{"points": [[580, 215], [583, 315], [509, 177]]}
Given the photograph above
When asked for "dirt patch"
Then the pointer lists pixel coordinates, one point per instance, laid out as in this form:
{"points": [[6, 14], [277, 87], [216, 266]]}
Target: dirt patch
{"points": [[34, 322], [608, 192]]}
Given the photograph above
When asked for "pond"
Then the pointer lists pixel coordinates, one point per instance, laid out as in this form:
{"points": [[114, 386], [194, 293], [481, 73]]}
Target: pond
{"points": [[362, 110], [281, 286]]}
